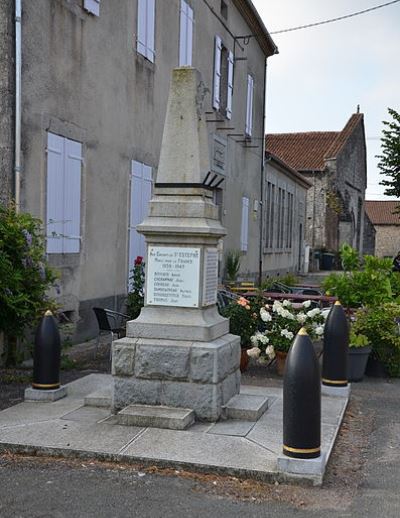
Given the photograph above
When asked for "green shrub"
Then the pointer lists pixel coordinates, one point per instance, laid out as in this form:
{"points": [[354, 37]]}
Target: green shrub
{"points": [[24, 276], [379, 325], [135, 300], [243, 315], [232, 265]]}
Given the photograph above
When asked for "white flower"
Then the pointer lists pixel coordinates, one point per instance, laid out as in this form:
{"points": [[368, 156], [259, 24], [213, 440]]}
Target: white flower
{"points": [[287, 334], [270, 352], [306, 303], [262, 360], [265, 316], [319, 330], [254, 352], [286, 304], [259, 337], [264, 339], [313, 312], [301, 317], [277, 306], [287, 314]]}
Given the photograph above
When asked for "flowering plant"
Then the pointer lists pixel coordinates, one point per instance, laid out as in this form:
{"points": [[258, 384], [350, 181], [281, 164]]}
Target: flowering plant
{"points": [[135, 300], [243, 319], [280, 324]]}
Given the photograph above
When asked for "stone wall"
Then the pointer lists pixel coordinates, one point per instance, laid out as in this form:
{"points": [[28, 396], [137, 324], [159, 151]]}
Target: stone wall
{"points": [[7, 93], [369, 236], [387, 240]]}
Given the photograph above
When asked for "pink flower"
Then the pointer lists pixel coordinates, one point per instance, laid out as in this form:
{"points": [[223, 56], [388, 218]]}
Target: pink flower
{"points": [[138, 260]]}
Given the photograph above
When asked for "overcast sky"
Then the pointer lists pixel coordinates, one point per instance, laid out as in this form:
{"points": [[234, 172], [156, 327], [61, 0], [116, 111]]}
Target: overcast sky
{"points": [[322, 73]]}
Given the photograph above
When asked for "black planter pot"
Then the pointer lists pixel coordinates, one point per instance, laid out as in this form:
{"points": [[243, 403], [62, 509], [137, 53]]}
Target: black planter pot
{"points": [[375, 368], [358, 357]]}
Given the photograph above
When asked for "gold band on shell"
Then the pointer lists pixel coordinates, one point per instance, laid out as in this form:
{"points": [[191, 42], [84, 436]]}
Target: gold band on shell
{"points": [[302, 450]]}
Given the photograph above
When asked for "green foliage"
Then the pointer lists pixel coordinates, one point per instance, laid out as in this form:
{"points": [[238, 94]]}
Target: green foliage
{"points": [[135, 300], [358, 340], [389, 161], [243, 319], [232, 265], [349, 258], [379, 325], [370, 285], [24, 275], [289, 279]]}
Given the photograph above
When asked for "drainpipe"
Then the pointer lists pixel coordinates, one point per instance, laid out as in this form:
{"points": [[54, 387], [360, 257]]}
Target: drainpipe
{"points": [[17, 151], [261, 211]]}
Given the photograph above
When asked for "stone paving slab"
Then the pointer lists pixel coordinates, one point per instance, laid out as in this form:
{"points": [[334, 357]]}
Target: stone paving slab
{"points": [[238, 447]]}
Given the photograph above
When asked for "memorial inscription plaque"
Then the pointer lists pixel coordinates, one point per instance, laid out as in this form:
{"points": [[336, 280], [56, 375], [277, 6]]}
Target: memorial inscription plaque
{"points": [[173, 276], [210, 276]]}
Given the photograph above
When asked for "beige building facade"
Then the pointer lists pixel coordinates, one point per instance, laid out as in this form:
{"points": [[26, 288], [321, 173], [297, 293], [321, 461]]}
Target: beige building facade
{"points": [[386, 222]]}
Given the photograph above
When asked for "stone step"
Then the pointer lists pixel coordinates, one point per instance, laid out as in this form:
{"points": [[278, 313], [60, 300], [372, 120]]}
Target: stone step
{"points": [[99, 398], [156, 417], [246, 407]]}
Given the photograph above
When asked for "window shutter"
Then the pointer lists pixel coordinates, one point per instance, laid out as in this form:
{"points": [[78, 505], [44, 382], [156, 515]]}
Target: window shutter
{"points": [[186, 35], [245, 225], [150, 30], [217, 73], [249, 108], [72, 196], [230, 86], [141, 27], [141, 187], [54, 205], [92, 6]]}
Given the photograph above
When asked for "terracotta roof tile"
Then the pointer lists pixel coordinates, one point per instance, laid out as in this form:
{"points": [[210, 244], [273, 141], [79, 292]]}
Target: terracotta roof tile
{"points": [[308, 151], [382, 212]]}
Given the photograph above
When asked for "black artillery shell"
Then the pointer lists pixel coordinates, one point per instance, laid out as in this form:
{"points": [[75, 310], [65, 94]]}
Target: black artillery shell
{"points": [[302, 401], [336, 346], [47, 354]]}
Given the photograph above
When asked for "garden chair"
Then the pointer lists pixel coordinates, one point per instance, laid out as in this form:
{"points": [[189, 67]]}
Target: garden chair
{"points": [[110, 322]]}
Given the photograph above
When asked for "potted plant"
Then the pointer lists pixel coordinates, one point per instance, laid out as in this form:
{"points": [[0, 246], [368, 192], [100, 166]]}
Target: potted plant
{"points": [[232, 266], [279, 325], [242, 322], [359, 349]]}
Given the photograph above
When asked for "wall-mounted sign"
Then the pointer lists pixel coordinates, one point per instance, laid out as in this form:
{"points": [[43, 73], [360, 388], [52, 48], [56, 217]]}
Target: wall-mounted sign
{"points": [[173, 276]]}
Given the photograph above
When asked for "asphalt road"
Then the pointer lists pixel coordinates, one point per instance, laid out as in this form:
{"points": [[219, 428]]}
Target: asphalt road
{"points": [[363, 479]]}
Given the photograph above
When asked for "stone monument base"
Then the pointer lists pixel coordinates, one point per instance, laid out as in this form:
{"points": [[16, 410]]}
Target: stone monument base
{"points": [[201, 376]]}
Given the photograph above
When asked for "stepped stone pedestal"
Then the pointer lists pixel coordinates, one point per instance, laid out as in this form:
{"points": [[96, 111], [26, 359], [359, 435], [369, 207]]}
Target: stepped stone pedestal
{"points": [[178, 352]]}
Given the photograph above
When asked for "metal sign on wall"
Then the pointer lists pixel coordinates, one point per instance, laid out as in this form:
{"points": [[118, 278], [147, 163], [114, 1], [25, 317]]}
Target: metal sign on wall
{"points": [[173, 276]]}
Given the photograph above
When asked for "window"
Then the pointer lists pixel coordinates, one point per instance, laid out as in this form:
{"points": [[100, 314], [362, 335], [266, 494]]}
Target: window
{"points": [[249, 106], [141, 187], [145, 28], [289, 221], [186, 35], [63, 207], [92, 6], [244, 232], [270, 215], [224, 10], [223, 78]]}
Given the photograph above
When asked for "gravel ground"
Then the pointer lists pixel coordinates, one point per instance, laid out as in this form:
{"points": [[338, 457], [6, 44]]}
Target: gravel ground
{"points": [[348, 471]]}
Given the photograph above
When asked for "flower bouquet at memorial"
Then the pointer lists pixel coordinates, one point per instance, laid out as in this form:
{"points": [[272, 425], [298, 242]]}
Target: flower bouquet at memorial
{"points": [[279, 324], [135, 299], [243, 320]]}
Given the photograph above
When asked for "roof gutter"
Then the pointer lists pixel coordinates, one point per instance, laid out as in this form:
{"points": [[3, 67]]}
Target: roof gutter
{"points": [[17, 150]]}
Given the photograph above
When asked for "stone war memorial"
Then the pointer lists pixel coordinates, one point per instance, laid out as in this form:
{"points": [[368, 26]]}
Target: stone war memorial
{"points": [[178, 353]]}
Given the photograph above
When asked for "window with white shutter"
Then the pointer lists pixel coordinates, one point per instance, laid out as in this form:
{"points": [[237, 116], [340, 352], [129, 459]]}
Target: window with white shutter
{"points": [[217, 73], [244, 231], [249, 106], [141, 188], [230, 86], [145, 28], [186, 35], [92, 6], [63, 208]]}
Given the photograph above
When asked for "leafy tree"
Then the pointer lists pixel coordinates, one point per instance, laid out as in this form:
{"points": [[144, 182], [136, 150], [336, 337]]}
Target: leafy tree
{"points": [[24, 276], [389, 163]]}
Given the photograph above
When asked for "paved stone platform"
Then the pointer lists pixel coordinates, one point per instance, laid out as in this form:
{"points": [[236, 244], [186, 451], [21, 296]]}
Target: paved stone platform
{"points": [[237, 447]]}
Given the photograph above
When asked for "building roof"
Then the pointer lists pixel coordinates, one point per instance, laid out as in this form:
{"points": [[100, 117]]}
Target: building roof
{"points": [[295, 175], [308, 151], [382, 212], [254, 21]]}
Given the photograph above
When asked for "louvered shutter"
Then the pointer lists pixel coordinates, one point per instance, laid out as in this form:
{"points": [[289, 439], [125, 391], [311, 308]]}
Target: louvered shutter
{"points": [[141, 187], [186, 35], [141, 27], [54, 202], [217, 73], [230, 86], [249, 107], [150, 30], [245, 225], [92, 6], [72, 196]]}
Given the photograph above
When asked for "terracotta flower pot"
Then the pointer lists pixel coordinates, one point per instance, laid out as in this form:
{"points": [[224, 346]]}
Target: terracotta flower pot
{"points": [[244, 360], [280, 362]]}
